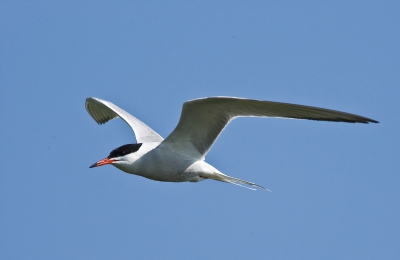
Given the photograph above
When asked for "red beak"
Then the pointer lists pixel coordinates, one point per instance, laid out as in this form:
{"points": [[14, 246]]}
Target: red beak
{"points": [[103, 162]]}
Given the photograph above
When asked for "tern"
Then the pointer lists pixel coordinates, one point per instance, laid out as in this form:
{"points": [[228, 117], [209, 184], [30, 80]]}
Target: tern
{"points": [[180, 157]]}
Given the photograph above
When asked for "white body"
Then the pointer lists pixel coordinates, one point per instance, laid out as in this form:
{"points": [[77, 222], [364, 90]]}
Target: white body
{"points": [[154, 162]]}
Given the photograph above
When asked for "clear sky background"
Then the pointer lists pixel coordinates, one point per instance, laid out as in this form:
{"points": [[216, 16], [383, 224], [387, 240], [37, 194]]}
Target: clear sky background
{"points": [[335, 186]]}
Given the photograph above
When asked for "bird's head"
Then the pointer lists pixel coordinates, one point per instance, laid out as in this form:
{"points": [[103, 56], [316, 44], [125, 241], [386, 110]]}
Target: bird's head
{"points": [[119, 156]]}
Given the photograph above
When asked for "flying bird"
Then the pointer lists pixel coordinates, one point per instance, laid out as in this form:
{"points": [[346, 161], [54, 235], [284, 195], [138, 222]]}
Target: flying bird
{"points": [[180, 157]]}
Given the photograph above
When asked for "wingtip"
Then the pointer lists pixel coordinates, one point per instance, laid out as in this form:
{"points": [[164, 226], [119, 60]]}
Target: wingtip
{"points": [[90, 98]]}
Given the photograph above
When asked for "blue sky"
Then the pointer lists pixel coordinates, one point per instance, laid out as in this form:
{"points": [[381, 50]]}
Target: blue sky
{"points": [[335, 186]]}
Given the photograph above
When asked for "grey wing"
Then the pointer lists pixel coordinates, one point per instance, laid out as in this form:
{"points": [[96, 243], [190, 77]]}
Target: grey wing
{"points": [[202, 120], [102, 111]]}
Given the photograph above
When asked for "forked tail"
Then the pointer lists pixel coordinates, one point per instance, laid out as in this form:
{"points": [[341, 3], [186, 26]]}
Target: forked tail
{"points": [[242, 183]]}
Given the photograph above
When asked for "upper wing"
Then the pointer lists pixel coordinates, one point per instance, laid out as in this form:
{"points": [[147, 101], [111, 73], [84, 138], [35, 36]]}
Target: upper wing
{"points": [[102, 111], [202, 120]]}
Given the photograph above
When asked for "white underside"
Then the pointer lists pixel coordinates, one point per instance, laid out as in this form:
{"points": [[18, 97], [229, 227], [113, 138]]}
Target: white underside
{"points": [[153, 162], [159, 163]]}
